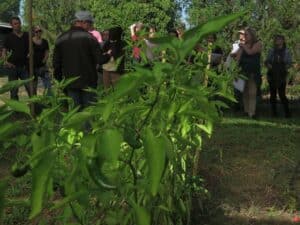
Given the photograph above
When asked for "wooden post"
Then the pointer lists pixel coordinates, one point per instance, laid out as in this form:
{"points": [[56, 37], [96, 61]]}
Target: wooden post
{"points": [[30, 53]]}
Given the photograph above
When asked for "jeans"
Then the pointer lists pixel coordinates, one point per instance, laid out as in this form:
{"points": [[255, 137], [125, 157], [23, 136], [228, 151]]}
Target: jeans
{"points": [[81, 97], [15, 74], [43, 73]]}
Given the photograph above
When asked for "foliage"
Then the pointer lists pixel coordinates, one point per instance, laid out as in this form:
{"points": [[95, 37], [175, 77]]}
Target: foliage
{"points": [[8, 8], [267, 17], [56, 16], [130, 158], [161, 14]]}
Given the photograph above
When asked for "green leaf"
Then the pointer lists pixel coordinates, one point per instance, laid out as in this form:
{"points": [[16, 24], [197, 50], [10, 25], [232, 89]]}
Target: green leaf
{"points": [[40, 177], [207, 127], [107, 110], [42, 141], [65, 82], [162, 40], [126, 84], [68, 199], [88, 145], [13, 84], [3, 187], [109, 144], [5, 116], [155, 150], [9, 129], [141, 215], [194, 35], [78, 119], [37, 143], [17, 106], [168, 146], [46, 113]]}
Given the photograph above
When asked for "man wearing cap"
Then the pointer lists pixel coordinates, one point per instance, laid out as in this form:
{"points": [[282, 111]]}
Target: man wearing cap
{"points": [[76, 54]]}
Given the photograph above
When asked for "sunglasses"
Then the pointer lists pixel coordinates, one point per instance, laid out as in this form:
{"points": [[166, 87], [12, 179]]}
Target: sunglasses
{"points": [[38, 31]]}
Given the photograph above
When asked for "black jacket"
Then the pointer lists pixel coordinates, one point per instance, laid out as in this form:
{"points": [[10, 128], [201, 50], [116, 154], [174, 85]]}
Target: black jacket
{"points": [[76, 54]]}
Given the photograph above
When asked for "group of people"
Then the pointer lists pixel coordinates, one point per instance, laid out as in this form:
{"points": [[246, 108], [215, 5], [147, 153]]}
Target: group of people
{"points": [[79, 52], [247, 52], [83, 52], [15, 53]]}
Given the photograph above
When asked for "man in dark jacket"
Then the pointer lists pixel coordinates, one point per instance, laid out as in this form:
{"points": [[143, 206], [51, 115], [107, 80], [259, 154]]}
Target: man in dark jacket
{"points": [[76, 54]]}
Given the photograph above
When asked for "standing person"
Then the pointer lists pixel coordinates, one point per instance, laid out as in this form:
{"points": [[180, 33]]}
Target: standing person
{"points": [[16, 50], [105, 37], [249, 60], [149, 45], [114, 68], [135, 29], [278, 61], [89, 26], [40, 58], [76, 54]]}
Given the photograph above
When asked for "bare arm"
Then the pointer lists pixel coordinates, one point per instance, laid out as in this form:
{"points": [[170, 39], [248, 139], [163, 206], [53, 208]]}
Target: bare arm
{"points": [[132, 30]]}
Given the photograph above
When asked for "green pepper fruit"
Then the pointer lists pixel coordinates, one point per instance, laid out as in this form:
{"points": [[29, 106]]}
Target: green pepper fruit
{"points": [[94, 166]]}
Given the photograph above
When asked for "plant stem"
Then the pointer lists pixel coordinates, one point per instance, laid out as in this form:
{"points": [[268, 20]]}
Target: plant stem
{"points": [[132, 168], [151, 109]]}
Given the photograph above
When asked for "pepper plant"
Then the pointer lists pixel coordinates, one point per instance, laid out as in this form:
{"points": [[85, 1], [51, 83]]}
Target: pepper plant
{"points": [[132, 156]]}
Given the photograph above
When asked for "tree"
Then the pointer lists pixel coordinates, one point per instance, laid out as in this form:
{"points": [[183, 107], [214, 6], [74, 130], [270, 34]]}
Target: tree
{"points": [[8, 8], [56, 16], [161, 14], [267, 17]]}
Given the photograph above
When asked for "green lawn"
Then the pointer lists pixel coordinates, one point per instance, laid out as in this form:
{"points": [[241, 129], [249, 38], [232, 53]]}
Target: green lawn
{"points": [[249, 166]]}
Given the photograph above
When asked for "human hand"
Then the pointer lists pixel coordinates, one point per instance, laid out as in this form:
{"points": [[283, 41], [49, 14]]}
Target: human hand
{"points": [[132, 26]]}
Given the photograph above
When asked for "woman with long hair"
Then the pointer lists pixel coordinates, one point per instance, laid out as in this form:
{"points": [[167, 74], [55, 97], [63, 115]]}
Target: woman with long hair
{"points": [[248, 57], [40, 57], [115, 67]]}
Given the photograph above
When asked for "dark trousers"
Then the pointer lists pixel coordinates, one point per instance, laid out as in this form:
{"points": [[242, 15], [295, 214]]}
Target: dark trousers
{"points": [[81, 97], [280, 89], [43, 73], [15, 74]]}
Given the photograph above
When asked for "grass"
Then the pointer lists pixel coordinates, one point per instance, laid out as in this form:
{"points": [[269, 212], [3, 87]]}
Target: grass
{"points": [[248, 166]]}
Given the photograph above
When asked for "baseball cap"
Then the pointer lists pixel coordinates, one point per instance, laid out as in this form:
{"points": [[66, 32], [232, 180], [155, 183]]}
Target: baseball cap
{"points": [[83, 16]]}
